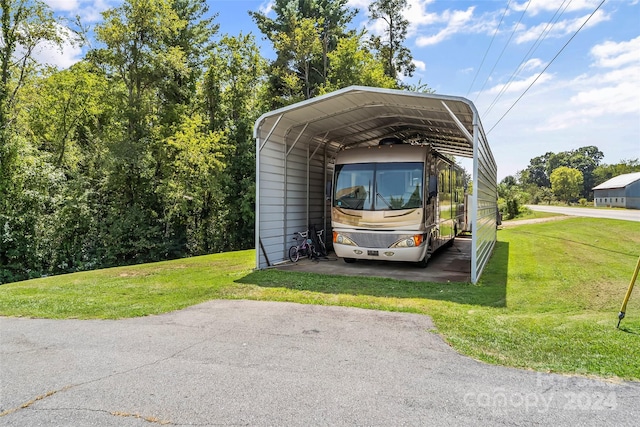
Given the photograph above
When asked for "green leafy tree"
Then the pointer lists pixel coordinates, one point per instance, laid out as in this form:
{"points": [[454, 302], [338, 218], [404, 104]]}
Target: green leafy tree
{"points": [[137, 54], [395, 56], [304, 46], [566, 183], [27, 181], [234, 85], [194, 164], [135, 58], [25, 25], [510, 197], [335, 17], [584, 159], [605, 172], [296, 74], [536, 172], [61, 109], [353, 64], [66, 114], [187, 50]]}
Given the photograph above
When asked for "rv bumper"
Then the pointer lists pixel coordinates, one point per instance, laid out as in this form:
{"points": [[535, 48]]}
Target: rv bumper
{"points": [[410, 254]]}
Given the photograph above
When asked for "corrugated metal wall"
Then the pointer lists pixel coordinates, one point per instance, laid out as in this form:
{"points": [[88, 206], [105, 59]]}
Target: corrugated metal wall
{"points": [[484, 216], [633, 196], [270, 185], [626, 197], [291, 184]]}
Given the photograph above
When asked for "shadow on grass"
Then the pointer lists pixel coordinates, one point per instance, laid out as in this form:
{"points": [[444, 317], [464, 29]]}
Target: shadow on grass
{"points": [[564, 239], [631, 331], [491, 291]]}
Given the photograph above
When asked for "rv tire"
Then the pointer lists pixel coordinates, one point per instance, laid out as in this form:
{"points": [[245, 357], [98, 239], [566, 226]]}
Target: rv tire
{"points": [[423, 262]]}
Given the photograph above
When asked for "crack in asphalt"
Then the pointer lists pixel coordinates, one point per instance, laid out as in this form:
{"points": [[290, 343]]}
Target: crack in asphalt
{"points": [[115, 374]]}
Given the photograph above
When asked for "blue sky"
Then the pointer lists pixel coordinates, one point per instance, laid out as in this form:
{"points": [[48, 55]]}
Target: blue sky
{"points": [[587, 81]]}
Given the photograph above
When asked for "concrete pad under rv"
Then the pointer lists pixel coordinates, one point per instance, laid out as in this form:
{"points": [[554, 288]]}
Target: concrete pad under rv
{"points": [[450, 264]]}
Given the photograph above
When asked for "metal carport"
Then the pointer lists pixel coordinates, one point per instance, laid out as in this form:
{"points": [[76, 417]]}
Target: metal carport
{"points": [[296, 145]]}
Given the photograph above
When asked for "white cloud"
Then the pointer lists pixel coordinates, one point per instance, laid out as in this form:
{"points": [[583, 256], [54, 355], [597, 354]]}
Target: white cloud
{"points": [[535, 7], [420, 65], [598, 107], [560, 28], [588, 98], [59, 56], [612, 92], [266, 7], [88, 10], [63, 57], [63, 5], [360, 4], [457, 21], [519, 86], [611, 54], [532, 64], [417, 15]]}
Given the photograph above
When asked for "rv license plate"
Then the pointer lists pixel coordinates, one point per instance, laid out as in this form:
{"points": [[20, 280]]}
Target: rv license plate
{"points": [[372, 253]]}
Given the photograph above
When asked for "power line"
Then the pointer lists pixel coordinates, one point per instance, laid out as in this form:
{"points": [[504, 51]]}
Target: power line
{"points": [[543, 35], [488, 48], [545, 68], [503, 49]]}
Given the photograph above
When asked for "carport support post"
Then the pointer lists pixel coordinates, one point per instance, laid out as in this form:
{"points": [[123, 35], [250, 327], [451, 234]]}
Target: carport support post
{"points": [[285, 223], [324, 195], [474, 208], [309, 157], [475, 230]]}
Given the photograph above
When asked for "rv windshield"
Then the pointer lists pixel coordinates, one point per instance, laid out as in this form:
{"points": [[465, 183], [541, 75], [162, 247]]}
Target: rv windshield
{"points": [[379, 186]]}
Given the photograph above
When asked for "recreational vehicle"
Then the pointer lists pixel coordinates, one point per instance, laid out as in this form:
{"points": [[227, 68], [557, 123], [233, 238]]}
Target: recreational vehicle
{"points": [[395, 202]]}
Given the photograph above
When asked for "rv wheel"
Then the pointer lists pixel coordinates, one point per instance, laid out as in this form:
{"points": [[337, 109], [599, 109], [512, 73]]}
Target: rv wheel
{"points": [[423, 262]]}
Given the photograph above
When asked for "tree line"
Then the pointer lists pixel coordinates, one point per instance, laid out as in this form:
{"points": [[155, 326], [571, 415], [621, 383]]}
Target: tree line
{"points": [[565, 177], [143, 150]]}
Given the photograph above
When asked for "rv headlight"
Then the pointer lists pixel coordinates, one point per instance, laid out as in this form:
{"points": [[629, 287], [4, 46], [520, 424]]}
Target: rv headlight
{"points": [[342, 239], [409, 242]]}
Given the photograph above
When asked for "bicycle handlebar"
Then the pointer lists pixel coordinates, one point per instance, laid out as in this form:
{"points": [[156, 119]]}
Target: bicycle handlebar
{"points": [[305, 234]]}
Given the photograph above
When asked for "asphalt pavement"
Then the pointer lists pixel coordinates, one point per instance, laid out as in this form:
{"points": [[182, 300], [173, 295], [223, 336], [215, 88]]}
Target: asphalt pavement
{"points": [[622, 214], [253, 363]]}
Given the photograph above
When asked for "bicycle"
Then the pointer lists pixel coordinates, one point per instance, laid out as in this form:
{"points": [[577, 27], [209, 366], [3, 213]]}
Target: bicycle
{"points": [[323, 248], [303, 248]]}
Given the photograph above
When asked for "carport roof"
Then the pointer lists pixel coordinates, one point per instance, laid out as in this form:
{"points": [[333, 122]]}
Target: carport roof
{"points": [[361, 116]]}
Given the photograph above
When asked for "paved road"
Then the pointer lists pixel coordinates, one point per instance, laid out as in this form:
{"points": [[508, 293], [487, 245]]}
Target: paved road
{"points": [[624, 214], [267, 363]]}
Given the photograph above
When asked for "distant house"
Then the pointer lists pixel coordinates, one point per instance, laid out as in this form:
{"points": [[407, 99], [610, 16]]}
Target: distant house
{"points": [[621, 191]]}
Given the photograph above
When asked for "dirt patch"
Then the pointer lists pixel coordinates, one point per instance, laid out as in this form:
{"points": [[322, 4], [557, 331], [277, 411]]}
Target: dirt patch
{"points": [[508, 224]]}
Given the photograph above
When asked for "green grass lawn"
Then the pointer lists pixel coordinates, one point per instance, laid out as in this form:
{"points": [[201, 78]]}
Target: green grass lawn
{"points": [[548, 300]]}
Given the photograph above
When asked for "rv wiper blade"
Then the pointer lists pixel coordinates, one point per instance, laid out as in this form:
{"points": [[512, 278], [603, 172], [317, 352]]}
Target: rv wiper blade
{"points": [[383, 199]]}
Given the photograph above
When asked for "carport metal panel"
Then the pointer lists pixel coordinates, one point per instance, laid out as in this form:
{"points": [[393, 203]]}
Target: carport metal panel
{"points": [[296, 147]]}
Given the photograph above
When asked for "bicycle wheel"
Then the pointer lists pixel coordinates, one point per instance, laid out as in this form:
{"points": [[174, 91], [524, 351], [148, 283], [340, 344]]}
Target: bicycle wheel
{"points": [[294, 255]]}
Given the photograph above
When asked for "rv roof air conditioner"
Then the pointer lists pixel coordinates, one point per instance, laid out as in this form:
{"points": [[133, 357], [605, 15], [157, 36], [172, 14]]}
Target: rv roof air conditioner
{"points": [[390, 141]]}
